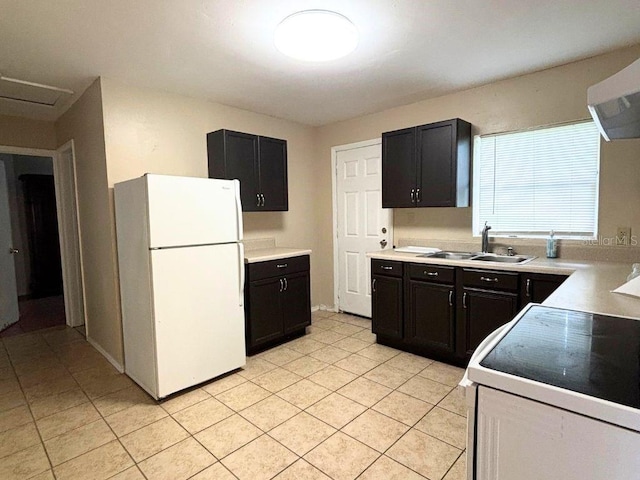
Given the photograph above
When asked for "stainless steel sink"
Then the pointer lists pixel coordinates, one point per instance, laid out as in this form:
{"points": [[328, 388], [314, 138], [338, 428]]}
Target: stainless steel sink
{"points": [[481, 257], [451, 255], [490, 257]]}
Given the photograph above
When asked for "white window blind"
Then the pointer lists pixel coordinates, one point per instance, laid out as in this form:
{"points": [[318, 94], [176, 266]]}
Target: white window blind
{"points": [[531, 182]]}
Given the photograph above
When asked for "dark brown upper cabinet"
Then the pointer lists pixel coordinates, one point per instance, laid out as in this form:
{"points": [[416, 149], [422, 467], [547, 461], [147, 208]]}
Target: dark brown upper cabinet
{"points": [[260, 163], [427, 166]]}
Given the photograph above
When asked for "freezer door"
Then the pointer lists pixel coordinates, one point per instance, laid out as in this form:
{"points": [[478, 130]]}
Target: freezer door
{"points": [[193, 211], [199, 320]]}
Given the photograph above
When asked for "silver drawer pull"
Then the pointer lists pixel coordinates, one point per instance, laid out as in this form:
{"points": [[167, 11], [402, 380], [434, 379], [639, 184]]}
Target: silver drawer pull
{"points": [[282, 265], [487, 279], [451, 298], [384, 267], [528, 287], [431, 274]]}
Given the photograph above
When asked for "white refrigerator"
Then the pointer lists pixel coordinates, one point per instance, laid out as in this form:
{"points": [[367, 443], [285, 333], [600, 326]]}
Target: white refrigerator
{"points": [[181, 264]]}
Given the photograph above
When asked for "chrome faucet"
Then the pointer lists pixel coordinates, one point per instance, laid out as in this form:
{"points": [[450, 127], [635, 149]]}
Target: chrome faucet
{"points": [[485, 238]]}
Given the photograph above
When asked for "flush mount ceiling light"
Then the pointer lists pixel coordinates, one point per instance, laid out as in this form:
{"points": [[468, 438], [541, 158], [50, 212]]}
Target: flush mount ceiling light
{"points": [[316, 36]]}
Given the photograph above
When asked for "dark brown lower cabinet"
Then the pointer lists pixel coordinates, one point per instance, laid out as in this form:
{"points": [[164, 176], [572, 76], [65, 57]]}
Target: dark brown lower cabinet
{"points": [[482, 312], [277, 301], [536, 287], [265, 312], [296, 302], [445, 312], [430, 308], [386, 306]]}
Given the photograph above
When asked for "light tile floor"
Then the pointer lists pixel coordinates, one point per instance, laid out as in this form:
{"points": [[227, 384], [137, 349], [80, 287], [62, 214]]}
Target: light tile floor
{"points": [[332, 404]]}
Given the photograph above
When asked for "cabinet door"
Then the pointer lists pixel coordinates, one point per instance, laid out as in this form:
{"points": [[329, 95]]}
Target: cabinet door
{"points": [[264, 322], [436, 165], [537, 287], [399, 168], [296, 302], [430, 318], [386, 297], [483, 311], [273, 174], [242, 155]]}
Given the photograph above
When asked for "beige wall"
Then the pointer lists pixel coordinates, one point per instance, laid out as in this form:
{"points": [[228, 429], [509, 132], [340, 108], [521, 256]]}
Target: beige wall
{"points": [[83, 123], [551, 96], [157, 132], [27, 133]]}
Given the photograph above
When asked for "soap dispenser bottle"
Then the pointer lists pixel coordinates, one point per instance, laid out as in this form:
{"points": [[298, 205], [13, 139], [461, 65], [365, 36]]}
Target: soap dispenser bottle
{"points": [[552, 246]]}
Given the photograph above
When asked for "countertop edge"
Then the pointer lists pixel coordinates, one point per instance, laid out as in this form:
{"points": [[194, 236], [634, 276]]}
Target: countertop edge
{"points": [[276, 253]]}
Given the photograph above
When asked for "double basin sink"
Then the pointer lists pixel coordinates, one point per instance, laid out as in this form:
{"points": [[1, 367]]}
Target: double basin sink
{"points": [[480, 257]]}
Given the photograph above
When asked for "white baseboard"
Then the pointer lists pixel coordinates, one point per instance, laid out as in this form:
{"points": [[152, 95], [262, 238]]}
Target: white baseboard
{"points": [[327, 308], [102, 351]]}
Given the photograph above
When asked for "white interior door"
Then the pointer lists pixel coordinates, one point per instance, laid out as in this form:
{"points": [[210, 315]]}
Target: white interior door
{"points": [[69, 232], [8, 291], [362, 224]]}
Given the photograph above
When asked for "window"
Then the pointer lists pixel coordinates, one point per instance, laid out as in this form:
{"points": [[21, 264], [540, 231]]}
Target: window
{"points": [[531, 182]]}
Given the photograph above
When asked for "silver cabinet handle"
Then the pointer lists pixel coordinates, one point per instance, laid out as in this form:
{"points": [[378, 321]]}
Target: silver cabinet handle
{"points": [[490, 280], [286, 284], [413, 195], [262, 197], [528, 287], [431, 274], [281, 285], [464, 300], [13, 251], [257, 199], [373, 285], [451, 298], [418, 199], [282, 265], [385, 267]]}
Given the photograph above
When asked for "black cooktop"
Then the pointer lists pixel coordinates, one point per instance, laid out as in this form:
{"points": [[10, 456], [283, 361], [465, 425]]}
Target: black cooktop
{"points": [[593, 354]]}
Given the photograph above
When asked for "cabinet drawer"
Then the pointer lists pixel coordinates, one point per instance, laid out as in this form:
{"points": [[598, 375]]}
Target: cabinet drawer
{"points": [[490, 279], [278, 268], [432, 273], [386, 267]]}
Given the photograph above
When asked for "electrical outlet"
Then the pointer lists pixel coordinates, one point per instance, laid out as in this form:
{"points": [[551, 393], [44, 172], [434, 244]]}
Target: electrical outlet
{"points": [[623, 235]]}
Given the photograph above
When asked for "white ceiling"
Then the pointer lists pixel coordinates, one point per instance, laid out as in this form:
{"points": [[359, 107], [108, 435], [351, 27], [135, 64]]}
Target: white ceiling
{"points": [[223, 50]]}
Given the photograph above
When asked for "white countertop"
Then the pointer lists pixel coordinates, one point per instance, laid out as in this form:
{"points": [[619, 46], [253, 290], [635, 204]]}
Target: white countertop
{"points": [[275, 253], [587, 289]]}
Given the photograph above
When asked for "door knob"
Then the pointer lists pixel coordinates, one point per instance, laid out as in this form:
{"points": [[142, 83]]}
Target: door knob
{"points": [[383, 243], [13, 250]]}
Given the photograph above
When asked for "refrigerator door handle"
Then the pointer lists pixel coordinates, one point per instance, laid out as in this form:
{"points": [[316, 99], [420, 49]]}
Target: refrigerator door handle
{"points": [[241, 266], [239, 212]]}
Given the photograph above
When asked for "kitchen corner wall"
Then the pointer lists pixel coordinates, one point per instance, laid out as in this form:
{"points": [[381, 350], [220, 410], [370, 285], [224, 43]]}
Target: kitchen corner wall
{"points": [[547, 97], [84, 124]]}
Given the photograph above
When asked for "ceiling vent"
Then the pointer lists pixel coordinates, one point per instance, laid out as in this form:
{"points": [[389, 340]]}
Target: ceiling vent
{"points": [[32, 93]]}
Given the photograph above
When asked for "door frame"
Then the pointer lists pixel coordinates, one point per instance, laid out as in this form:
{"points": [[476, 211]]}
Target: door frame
{"points": [[334, 209], [67, 249]]}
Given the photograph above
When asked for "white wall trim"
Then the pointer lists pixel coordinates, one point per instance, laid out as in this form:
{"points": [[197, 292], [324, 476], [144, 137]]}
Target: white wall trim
{"points": [[334, 209], [70, 251], [35, 152], [118, 366]]}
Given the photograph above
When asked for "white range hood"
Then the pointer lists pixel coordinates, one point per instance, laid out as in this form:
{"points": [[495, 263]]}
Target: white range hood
{"points": [[614, 104]]}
